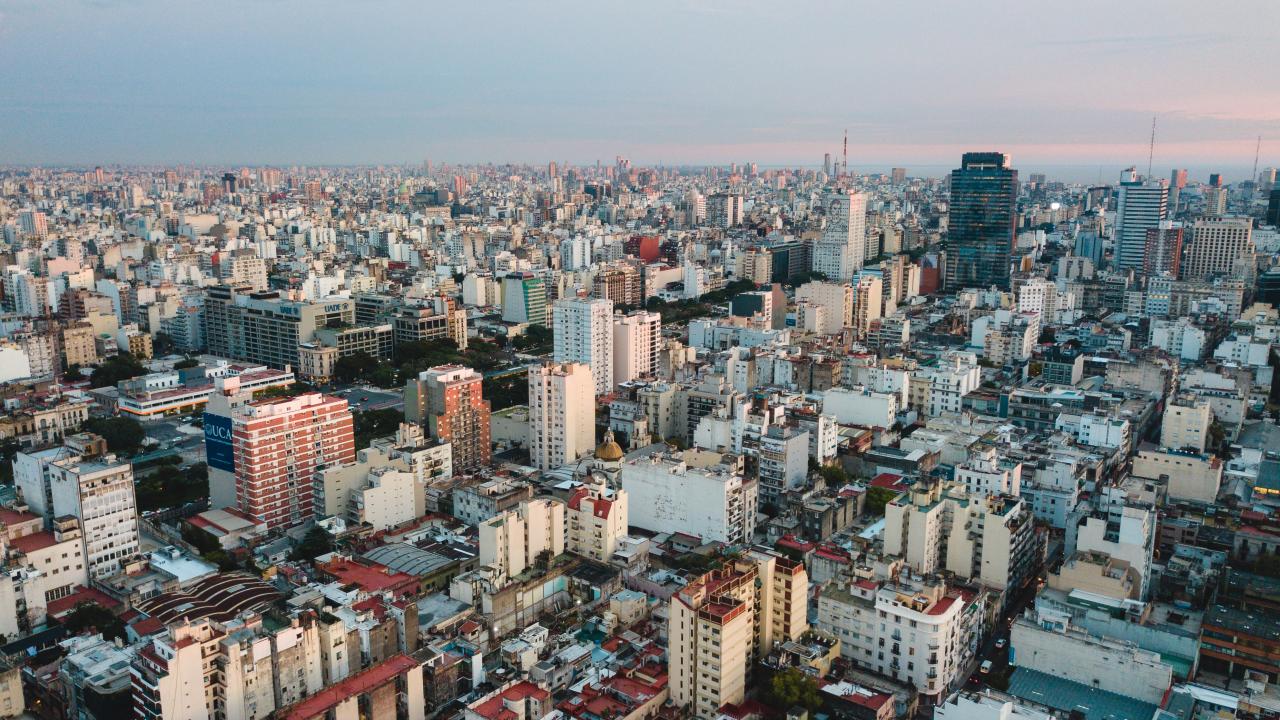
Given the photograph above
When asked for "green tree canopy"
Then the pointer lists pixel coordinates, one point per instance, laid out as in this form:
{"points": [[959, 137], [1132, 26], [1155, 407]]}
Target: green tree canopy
{"points": [[355, 366], [114, 369], [124, 435], [373, 424], [314, 544], [791, 688], [877, 498]]}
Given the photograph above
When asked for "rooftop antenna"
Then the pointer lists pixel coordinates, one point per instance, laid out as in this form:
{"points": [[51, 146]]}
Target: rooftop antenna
{"points": [[1151, 152]]}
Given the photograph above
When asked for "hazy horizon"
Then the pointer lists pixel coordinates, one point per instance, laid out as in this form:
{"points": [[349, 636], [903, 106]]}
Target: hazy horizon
{"points": [[701, 82]]}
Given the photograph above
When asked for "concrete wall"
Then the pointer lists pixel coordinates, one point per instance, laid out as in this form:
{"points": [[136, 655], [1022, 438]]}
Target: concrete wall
{"points": [[1108, 665]]}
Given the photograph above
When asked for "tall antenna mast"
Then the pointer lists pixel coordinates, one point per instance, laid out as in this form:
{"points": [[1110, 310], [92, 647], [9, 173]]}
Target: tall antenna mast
{"points": [[1256, 152], [846, 151], [1151, 152]]}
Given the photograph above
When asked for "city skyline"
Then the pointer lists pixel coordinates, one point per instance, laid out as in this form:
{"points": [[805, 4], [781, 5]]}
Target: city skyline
{"points": [[139, 82]]}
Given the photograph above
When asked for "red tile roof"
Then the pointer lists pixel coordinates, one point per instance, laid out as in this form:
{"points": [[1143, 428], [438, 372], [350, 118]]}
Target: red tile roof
{"points": [[495, 707], [33, 542], [370, 576], [360, 683]]}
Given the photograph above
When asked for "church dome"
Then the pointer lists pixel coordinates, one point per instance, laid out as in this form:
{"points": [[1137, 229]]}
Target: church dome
{"points": [[609, 450]]}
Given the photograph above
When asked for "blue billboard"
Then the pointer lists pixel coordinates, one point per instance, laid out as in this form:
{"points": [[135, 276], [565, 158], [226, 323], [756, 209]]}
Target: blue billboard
{"points": [[218, 451]]}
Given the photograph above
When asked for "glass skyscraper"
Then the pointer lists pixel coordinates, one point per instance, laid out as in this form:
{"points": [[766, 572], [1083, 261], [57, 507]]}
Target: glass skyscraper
{"points": [[982, 221]]}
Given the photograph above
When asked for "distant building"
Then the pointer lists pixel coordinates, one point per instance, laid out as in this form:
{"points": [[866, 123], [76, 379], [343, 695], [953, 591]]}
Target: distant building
{"points": [[981, 221], [1141, 206]]}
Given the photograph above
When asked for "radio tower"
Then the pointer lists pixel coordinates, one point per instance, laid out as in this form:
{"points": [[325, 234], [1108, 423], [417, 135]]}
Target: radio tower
{"points": [[1151, 152], [1256, 152], [845, 163]]}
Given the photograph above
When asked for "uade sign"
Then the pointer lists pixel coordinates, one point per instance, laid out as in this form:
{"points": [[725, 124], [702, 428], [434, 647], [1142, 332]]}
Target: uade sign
{"points": [[217, 443]]}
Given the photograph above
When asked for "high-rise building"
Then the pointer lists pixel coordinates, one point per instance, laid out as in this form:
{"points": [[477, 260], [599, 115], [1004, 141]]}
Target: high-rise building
{"points": [[583, 333], [596, 516], [836, 299], [1164, 250], [273, 451], [898, 176], [1186, 423], [512, 541], [867, 303], [669, 494], [724, 210], [1273, 208], [1220, 246], [919, 631], [1215, 201], [562, 414], [1177, 181], [941, 526], [34, 223], [1141, 205], [981, 221], [448, 400], [265, 327], [618, 283], [723, 622], [840, 252], [524, 299], [100, 493], [637, 336]]}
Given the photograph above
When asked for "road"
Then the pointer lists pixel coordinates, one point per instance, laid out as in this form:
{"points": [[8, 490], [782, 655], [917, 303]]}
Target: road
{"points": [[367, 397]]}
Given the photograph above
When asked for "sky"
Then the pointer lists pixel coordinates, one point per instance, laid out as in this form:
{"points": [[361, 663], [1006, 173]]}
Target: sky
{"points": [[283, 82]]}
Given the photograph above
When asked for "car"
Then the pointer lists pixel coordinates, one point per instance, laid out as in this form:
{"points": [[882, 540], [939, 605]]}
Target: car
{"points": [[985, 667], [1000, 643]]}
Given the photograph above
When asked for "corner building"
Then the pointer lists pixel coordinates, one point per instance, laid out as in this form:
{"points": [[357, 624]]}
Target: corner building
{"points": [[279, 448]]}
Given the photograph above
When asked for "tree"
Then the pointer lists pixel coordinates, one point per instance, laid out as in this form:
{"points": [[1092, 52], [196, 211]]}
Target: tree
{"points": [[877, 498], [384, 377], [537, 340], [834, 475], [169, 486], [185, 363], [1217, 436], [543, 560], [373, 424], [90, 615], [123, 366], [354, 366], [791, 688], [124, 435], [314, 544], [283, 391], [161, 344], [505, 391]]}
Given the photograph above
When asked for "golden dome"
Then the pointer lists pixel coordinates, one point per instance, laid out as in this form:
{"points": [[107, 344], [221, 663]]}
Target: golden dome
{"points": [[609, 451]]}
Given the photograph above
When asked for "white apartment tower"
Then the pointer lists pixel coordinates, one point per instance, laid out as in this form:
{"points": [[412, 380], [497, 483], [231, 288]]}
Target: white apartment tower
{"points": [[584, 334], [513, 541], [841, 250], [637, 336], [835, 298], [562, 414], [725, 620], [100, 493]]}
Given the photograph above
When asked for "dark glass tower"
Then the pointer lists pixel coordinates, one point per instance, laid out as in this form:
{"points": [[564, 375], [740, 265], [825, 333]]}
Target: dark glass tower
{"points": [[982, 221]]}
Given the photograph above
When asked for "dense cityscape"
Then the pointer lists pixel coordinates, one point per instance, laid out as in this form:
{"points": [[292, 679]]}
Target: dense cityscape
{"points": [[341, 381]]}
